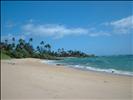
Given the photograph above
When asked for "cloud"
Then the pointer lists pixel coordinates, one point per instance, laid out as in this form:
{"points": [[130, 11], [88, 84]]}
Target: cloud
{"points": [[123, 23], [56, 31], [99, 33], [59, 31], [122, 26]]}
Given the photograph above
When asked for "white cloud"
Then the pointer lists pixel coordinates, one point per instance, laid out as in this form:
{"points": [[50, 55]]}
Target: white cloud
{"points": [[122, 26], [100, 33], [59, 31], [123, 23], [56, 31]]}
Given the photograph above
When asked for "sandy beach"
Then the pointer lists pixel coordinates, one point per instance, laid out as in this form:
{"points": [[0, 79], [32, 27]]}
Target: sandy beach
{"points": [[29, 79]]}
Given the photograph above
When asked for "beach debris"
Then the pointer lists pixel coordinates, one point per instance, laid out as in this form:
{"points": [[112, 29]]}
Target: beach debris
{"points": [[112, 71], [105, 81], [58, 64], [12, 63]]}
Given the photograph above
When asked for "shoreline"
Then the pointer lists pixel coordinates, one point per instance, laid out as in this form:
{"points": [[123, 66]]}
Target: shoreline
{"points": [[24, 79], [90, 69]]}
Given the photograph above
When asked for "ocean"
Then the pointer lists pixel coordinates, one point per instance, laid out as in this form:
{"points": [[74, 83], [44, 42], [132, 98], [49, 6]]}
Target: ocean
{"points": [[121, 64]]}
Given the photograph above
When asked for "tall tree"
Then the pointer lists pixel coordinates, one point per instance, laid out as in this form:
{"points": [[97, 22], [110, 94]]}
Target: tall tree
{"points": [[42, 42], [13, 43], [48, 47], [13, 39], [30, 40]]}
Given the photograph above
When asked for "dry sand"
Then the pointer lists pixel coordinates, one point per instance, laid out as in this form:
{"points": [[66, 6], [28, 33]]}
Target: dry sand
{"points": [[28, 79]]}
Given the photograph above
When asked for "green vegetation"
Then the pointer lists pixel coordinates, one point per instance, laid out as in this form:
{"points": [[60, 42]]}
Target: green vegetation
{"points": [[4, 56], [23, 49]]}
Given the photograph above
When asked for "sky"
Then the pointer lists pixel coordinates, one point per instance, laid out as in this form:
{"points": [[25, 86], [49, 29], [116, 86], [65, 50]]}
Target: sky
{"points": [[94, 27]]}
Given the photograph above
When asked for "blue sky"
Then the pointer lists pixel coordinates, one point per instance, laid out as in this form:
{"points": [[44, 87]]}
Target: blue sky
{"points": [[101, 28]]}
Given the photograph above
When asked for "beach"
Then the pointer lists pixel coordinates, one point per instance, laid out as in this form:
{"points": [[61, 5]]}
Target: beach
{"points": [[29, 79]]}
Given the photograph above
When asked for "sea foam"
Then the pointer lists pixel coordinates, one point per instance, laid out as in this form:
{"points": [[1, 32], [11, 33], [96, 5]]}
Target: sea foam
{"points": [[110, 64], [113, 71]]}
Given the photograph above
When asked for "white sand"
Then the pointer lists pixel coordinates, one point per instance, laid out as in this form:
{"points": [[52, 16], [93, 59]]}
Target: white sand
{"points": [[28, 79]]}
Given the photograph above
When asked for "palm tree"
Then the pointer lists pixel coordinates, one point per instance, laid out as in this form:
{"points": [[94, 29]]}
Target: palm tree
{"points": [[63, 52], [42, 42], [6, 41], [13, 39], [38, 48], [48, 46], [59, 50], [30, 40], [13, 44], [5, 44], [42, 46], [21, 43]]}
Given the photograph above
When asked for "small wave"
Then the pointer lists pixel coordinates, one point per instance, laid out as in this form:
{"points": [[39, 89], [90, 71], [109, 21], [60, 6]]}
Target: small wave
{"points": [[78, 66], [110, 71], [48, 61], [114, 71]]}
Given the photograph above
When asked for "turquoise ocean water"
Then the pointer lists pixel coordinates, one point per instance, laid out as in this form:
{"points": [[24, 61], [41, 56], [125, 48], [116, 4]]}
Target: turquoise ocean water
{"points": [[122, 64]]}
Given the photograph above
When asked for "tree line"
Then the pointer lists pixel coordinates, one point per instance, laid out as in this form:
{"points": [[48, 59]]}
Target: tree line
{"points": [[25, 49]]}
